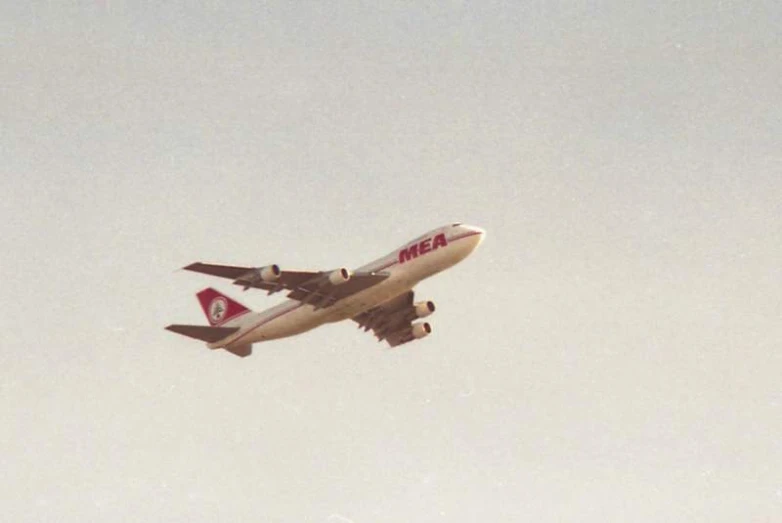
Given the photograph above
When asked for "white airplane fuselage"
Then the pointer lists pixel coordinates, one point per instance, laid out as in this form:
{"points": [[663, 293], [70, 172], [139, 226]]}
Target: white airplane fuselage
{"points": [[419, 259]]}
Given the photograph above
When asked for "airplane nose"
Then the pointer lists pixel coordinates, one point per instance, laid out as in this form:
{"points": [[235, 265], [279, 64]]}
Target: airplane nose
{"points": [[475, 229], [479, 235]]}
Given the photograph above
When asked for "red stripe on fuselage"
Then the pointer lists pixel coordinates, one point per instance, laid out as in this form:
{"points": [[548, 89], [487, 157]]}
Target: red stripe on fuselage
{"points": [[464, 235], [386, 266]]}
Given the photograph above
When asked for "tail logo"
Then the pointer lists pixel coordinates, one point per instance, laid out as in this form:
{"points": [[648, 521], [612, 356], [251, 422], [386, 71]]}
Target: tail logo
{"points": [[217, 309]]}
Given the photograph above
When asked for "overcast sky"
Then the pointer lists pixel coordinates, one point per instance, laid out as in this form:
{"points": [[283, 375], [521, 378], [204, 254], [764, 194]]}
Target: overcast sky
{"points": [[612, 351]]}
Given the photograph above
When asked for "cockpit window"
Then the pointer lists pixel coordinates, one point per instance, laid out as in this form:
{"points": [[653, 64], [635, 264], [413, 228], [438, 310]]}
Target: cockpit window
{"points": [[456, 224]]}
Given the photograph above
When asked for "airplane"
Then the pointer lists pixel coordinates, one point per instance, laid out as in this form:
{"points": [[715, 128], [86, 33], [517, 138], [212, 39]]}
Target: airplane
{"points": [[378, 296]]}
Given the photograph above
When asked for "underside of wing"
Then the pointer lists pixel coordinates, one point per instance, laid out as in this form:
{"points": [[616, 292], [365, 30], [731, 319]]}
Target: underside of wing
{"points": [[320, 289], [269, 278], [393, 320], [223, 271], [286, 280]]}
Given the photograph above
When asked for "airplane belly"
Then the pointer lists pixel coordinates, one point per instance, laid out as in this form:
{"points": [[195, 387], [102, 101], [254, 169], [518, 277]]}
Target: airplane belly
{"points": [[301, 318], [288, 321]]}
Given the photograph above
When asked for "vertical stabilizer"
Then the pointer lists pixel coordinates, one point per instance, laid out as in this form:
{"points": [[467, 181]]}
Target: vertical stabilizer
{"points": [[219, 308]]}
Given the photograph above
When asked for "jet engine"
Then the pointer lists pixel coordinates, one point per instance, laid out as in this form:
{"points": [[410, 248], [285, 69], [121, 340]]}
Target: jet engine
{"points": [[270, 273], [339, 276], [423, 309], [267, 274], [421, 330]]}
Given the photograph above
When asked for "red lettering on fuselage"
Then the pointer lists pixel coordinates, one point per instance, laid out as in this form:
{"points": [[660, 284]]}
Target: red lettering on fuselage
{"points": [[439, 241], [422, 247], [409, 253]]}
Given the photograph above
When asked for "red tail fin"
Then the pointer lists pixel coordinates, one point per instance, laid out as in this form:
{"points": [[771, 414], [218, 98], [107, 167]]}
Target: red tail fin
{"points": [[218, 307]]}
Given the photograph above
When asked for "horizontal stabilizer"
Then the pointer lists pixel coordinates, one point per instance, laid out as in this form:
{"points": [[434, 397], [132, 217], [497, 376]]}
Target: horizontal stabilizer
{"points": [[208, 334]]}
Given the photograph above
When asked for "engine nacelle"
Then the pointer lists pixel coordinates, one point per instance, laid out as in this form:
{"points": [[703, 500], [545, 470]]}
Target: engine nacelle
{"points": [[339, 276], [421, 330], [270, 273], [423, 309]]}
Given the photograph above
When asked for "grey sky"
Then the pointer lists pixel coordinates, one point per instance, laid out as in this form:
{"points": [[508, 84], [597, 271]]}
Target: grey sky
{"points": [[610, 353]]}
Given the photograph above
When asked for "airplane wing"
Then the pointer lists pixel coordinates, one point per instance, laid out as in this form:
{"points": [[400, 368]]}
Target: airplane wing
{"points": [[315, 288], [393, 320], [249, 276]]}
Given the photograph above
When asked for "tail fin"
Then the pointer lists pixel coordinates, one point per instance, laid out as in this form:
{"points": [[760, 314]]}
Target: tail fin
{"points": [[219, 308]]}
